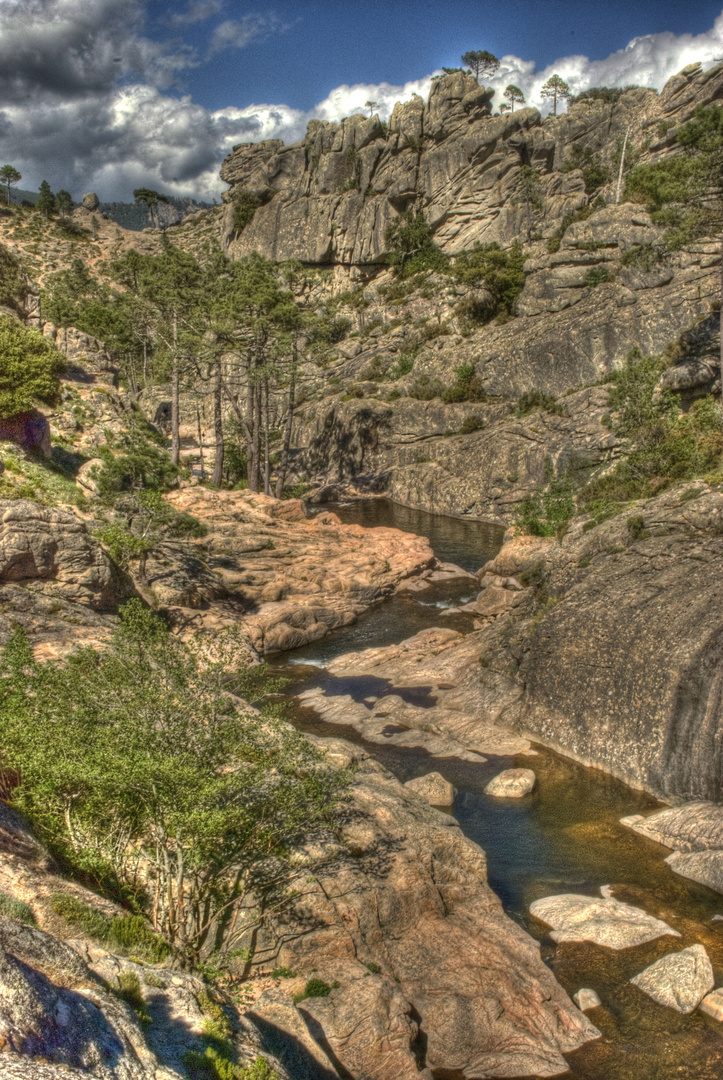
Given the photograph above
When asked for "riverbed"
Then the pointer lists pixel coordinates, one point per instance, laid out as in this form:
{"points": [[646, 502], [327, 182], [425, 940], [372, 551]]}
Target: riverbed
{"points": [[564, 837]]}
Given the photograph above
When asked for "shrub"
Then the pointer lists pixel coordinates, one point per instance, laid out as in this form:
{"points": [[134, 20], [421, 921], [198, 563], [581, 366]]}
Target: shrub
{"points": [[594, 174], [410, 245], [126, 933], [548, 512], [245, 204], [124, 757], [16, 909], [129, 990], [401, 366], [500, 272], [607, 94], [467, 386], [596, 275], [538, 399], [636, 527], [425, 389], [315, 988], [13, 284], [29, 370], [473, 422]]}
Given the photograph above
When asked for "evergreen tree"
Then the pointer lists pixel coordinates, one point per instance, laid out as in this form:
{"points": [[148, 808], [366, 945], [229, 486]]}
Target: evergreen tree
{"points": [[64, 202], [46, 200], [9, 176], [557, 89], [515, 96], [150, 199], [483, 64]]}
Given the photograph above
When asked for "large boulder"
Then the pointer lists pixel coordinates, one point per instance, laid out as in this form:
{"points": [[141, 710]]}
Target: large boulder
{"points": [[30, 430], [605, 921]]}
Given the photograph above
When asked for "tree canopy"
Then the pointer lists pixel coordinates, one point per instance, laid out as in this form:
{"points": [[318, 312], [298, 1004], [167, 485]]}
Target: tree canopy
{"points": [[557, 89], [515, 96], [30, 368], [482, 63], [9, 176]]}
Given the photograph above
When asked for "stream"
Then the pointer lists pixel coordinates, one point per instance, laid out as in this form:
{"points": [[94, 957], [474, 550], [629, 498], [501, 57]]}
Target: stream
{"points": [[564, 837]]}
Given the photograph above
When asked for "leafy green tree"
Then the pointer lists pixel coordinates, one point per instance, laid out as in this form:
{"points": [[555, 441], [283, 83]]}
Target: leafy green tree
{"points": [[30, 369], [557, 89], [46, 200], [137, 763], [64, 202], [515, 96], [501, 272], [410, 244], [483, 64], [9, 176], [150, 199], [13, 282]]}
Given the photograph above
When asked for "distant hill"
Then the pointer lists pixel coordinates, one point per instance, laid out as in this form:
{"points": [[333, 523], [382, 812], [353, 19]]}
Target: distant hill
{"points": [[130, 216]]}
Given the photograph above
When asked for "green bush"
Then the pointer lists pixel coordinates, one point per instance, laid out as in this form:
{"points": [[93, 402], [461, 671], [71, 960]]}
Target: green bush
{"points": [[30, 368], [549, 511], [594, 174], [134, 743], [410, 245], [245, 204], [13, 283], [315, 988], [473, 422], [425, 388], [596, 275], [129, 990], [16, 909], [125, 933], [467, 386], [500, 272], [532, 400]]}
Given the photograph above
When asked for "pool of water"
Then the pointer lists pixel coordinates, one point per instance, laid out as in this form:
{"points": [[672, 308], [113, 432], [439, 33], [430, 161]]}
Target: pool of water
{"points": [[564, 837]]}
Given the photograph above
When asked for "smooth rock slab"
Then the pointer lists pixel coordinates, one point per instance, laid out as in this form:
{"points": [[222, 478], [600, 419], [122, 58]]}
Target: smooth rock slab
{"points": [[433, 788], [705, 867], [605, 922], [712, 1004], [680, 980], [511, 784], [586, 999]]}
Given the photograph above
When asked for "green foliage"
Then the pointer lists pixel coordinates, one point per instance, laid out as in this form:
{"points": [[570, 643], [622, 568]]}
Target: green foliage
{"points": [[557, 89], [150, 199], [315, 988], [30, 368], [134, 463], [245, 204], [466, 387], [64, 202], [555, 240], [607, 94], [123, 933], [129, 990], [327, 330], [9, 176], [411, 247], [12, 908], [532, 400], [13, 284], [374, 968], [594, 174], [548, 512], [46, 200], [514, 95], [425, 388], [139, 756], [596, 275], [402, 366], [664, 446], [213, 1064], [642, 257], [473, 422], [283, 973], [636, 527], [500, 272], [482, 63]]}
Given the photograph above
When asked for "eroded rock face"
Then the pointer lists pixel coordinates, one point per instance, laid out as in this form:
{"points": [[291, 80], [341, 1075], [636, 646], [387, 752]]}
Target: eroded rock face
{"points": [[680, 980], [52, 549], [287, 581], [408, 896]]}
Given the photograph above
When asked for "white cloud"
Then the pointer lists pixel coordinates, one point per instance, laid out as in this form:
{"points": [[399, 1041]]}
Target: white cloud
{"points": [[238, 33], [65, 115], [195, 13]]}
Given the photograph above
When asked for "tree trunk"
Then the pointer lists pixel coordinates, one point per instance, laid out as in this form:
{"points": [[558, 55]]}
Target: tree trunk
{"points": [[284, 463], [200, 441], [218, 426], [267, 459], [175, 420], [720, 324], [257, 438], [252, 472]]}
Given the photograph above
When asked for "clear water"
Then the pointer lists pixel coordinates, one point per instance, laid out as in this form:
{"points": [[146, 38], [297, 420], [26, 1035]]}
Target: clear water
{"points": [[564, 837]]}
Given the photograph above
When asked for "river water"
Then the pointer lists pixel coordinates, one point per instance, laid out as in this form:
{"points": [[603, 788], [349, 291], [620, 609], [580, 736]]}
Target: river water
{"points": [[564, 837]]}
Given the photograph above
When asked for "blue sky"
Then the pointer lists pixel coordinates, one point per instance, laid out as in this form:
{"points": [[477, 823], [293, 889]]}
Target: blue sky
{"points": [[107, 95], [320, 44]]}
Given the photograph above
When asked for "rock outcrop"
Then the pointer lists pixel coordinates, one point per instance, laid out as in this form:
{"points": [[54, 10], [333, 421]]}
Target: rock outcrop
{"points": [[679, 980]]}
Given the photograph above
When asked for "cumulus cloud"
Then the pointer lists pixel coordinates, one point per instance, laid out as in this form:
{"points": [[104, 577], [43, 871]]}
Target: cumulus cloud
{"points": [[84, 99]]}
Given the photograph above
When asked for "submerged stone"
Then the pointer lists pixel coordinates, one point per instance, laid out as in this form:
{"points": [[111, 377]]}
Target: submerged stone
{"points": [[511, 784], [605, 922], [679, 980]]}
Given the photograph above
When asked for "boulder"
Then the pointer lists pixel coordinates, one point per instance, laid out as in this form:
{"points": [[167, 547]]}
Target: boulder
{"points": [[586, 999], [91, 201], [85, 478], [29, 430], [712, 1004], [605, 922], [679, 980], [511, 784], [433, 788]]}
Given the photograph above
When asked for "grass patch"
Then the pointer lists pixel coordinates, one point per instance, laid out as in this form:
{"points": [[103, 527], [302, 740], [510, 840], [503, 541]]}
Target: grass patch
{"points": [[16, 909], [315, 988], [126, 933], [534, 400]]}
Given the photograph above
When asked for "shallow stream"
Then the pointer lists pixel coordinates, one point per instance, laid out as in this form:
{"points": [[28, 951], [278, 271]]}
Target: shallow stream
{"points": [[564, 837]]}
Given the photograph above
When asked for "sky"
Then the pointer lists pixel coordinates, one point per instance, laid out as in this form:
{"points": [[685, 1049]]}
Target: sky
{"points": [[99, 95]]}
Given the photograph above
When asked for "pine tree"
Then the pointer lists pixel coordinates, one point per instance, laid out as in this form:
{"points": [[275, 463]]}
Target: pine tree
{"points": [[555, 88], [9, 176], [515, 96], [46, 201], [482, 63]]}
